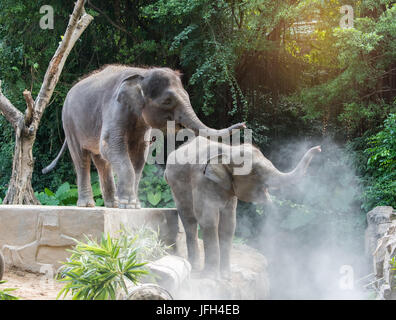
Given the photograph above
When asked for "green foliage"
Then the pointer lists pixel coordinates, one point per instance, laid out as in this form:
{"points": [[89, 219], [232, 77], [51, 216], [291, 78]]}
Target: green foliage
{"points": [[154, 192], [95, 271], [241, 60], [67, 195], [5, 293], [355, 63], [393, 264], [381, 166]]}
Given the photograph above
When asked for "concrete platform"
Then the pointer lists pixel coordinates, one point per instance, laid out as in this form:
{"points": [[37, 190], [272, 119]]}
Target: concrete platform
{"points": [[35, 238]]}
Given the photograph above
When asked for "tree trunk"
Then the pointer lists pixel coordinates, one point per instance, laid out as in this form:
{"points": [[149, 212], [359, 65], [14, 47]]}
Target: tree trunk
{"points": [[20, 190]]}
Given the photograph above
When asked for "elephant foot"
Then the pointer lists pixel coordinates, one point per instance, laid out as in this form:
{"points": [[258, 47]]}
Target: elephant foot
{"points": [[195, 266], [196, 274], [86, 203], [111, 204], [127, 204], [138, 206], [210, 274], [226, 275]]}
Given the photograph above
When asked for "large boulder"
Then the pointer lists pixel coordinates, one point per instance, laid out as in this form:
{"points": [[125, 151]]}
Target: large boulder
{"points": [[381, 246], [170, 272], [249, 278], [378, 221]]}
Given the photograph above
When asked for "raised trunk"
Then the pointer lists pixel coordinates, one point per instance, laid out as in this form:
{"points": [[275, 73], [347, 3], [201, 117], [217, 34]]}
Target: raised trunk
{"points": [[20, 189], [281, 178], [190, 120]]}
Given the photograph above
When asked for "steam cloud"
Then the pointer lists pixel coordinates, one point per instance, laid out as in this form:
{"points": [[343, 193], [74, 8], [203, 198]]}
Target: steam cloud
{"points": [[315, 249]]}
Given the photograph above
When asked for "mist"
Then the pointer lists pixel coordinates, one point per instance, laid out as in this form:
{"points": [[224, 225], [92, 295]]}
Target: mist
{"points": [[313, 233]]}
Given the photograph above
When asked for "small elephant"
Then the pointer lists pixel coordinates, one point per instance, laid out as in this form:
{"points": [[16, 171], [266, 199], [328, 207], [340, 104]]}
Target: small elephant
{"points": [[206, 193], [2, 266], [106, 117]]}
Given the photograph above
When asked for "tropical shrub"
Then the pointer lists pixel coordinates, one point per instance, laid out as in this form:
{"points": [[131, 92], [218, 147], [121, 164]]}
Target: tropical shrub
{"points": [[381, 166], [5, 293], [154, 192], [95, 271], [67, 195]]}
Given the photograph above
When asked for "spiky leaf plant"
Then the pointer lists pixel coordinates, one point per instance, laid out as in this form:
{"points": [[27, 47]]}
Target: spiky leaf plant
{"points": [[5, 293], [95, 271]]}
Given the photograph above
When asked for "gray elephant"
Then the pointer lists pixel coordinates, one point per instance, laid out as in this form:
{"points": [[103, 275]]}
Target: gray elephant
{"points": [[2, 266], [106, 117], [206, 193]]}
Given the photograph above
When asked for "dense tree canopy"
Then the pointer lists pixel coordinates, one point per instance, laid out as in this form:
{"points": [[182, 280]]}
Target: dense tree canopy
{"points": [[286, 67]]}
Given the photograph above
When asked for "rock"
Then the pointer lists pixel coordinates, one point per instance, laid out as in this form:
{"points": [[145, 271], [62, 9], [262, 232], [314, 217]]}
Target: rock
{"points": [[249, 279], [142, 291], [149, 291], [381, 235], [32, 238], [378, 221], [169, 272]]}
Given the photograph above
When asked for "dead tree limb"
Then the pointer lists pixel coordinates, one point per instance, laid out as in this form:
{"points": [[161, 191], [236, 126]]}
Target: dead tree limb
{"points": [[11, 113]]}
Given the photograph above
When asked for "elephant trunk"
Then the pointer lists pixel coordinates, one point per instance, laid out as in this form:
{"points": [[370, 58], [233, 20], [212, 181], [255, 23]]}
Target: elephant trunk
{"points": [[190, 120], [280, 178]]}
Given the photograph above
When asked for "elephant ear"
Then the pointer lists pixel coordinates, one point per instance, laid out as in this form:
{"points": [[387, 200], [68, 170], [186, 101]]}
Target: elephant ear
{"points": [[130, 94], [218, 172]]}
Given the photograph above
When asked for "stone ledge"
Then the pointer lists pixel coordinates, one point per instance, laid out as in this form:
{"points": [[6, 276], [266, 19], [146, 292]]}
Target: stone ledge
{"points": [[33, 237]]}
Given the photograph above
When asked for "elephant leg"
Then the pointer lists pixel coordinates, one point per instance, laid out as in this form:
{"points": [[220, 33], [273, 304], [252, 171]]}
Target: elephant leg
{"points": [[82, 163], [138, 155], [190, 225], [208, 219], [106, 181], [212, 250], [182, 195], [113, 149], [227, 223]]}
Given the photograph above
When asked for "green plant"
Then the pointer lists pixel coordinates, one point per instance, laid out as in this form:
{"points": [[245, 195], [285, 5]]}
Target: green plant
{"points": [[95, 271], [5, 293], [67, 195], [154, 192], [381, 166]]}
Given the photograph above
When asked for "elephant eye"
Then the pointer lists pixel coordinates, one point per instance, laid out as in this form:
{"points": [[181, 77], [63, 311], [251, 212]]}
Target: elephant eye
{"points": [[167, 101]]}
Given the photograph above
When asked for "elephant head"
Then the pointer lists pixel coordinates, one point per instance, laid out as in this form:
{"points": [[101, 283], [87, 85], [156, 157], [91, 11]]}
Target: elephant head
{"points": [[254, 186], [158, 95]]}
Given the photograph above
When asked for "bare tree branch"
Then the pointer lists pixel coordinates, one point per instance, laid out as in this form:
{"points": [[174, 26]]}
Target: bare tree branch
{"points": [[30, 106], [79, 21], [7, 109]]}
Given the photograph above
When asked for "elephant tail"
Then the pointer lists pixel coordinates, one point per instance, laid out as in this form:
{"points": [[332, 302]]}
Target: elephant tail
{"points": [[55, 162], [166, 179]]}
